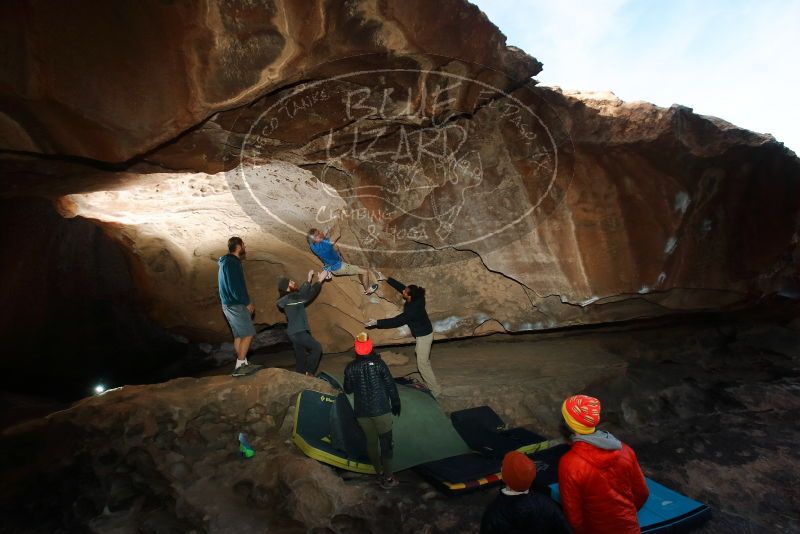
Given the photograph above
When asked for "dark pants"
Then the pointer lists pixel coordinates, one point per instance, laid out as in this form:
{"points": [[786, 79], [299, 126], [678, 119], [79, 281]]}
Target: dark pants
{"points": [[380, 447], [307, 352]]}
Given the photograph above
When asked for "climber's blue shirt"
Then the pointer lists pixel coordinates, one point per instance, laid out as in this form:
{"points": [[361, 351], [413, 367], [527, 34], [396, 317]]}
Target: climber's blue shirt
{"points": [[325, 252]]}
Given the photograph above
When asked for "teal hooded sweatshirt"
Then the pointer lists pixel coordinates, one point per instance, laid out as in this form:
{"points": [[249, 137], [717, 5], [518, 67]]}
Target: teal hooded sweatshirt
{"points": [[232, 288]]}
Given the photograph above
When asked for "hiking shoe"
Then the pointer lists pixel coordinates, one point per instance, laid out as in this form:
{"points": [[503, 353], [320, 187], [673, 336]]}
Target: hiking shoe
{"points": [[253, 367], [372, 289], [246, 369], [389, 483]]}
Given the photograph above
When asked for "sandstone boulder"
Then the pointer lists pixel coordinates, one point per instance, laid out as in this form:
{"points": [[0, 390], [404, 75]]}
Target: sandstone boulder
{"points": [[165, 458], [111, 84], [520, 208]]}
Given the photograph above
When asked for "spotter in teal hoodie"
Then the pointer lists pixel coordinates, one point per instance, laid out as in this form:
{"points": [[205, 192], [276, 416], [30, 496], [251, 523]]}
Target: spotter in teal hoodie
{"points": [[232, 288]]}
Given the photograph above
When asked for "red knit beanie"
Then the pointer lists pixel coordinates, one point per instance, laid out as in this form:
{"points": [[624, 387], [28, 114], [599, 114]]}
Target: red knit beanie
{"points": [[363, 344], [518, 471]]}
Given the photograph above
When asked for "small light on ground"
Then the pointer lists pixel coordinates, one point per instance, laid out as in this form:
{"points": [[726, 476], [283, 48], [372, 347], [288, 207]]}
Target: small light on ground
{"points": [[99, 388]]}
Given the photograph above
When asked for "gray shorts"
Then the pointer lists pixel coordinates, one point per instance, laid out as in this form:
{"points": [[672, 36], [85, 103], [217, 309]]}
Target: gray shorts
{"points": [[348, 270], [239, 319]]}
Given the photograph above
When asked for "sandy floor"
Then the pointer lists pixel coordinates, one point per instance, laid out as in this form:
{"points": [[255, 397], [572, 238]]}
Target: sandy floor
{"points": [[500, 368]]}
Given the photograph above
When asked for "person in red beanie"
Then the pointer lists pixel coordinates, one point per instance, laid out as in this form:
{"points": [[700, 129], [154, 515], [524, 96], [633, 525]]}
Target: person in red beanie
{"points": [[375, 400], [519, 510], [600, 481]]}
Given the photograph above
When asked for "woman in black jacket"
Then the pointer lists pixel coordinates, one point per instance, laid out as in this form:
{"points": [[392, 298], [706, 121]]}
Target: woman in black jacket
{"points": [[375, 400], [416, 317]]}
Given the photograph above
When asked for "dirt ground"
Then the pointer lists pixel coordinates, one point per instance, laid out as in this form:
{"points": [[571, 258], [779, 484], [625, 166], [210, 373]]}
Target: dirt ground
{"points": [[708, 404], [710, 407]]}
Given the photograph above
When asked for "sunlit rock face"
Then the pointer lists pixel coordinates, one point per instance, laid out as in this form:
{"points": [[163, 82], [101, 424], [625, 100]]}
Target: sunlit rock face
{"points": [[411, 124]]}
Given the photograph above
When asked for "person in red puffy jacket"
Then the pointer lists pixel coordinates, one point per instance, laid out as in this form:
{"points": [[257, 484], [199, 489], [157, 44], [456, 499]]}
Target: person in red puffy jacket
{"points": [[600, 481]]}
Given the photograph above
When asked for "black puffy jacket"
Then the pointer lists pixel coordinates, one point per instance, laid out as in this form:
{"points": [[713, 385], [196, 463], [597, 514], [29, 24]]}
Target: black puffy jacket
{"points": [[373, 388], [524, 514], [414, 314]]}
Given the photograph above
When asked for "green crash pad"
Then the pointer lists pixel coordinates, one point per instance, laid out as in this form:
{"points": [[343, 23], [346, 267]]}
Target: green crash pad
{"points": [[422, 433]]}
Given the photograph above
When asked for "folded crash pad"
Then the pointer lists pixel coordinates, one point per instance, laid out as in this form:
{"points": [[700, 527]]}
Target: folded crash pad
{"points": [[461, 473], [487, 435], [547, 466]]}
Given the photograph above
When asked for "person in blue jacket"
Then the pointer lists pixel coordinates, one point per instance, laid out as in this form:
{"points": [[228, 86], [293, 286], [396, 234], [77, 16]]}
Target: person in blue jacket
{"points": [[236, 304], [322, 244]]}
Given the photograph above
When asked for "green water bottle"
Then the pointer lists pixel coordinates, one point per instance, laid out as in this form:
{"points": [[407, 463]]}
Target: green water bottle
{"points": [[244, 447]]}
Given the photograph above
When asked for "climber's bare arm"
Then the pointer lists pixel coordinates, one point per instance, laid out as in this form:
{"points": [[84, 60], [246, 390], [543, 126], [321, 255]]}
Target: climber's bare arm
{"points": [[334, 233]]}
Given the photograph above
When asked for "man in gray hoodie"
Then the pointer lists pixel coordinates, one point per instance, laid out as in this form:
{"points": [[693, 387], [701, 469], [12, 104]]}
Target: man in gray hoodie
{"points": [[293, 301]]}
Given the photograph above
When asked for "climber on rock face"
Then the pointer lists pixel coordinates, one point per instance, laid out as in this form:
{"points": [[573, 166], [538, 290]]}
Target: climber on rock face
{"points": [[236, 304], [416, 317], [322, 244], [293, 301]]}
